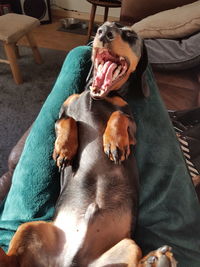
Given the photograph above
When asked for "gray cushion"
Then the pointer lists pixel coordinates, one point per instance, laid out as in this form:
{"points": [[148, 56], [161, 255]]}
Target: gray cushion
{"points": [[180, 54]]}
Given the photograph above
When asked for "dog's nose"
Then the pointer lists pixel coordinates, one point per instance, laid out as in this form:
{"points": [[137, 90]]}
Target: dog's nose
{"points": [[106, 34]]}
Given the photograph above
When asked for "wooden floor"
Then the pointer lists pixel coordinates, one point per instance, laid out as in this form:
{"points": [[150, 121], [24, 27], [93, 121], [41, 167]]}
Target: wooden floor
{"points": [[178, 90], [48, 36]]}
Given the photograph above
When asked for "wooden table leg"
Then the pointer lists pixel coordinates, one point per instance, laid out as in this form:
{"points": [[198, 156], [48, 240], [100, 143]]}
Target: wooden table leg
{"points": [[106, 13], [91, 23], [33, 45], [11, 56]]}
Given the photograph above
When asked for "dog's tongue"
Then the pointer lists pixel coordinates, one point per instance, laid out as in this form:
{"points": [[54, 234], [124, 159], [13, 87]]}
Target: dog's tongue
{"points": [[104, 75]]}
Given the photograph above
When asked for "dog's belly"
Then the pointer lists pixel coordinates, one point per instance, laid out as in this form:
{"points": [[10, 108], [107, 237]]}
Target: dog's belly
{"points": [[96, 206], [86, 241]]}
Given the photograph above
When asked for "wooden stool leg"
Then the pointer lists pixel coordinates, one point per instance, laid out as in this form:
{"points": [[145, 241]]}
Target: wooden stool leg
{"points": [[33, 45], [10, 52], [91, 23], [106, 13], [16, 51]]}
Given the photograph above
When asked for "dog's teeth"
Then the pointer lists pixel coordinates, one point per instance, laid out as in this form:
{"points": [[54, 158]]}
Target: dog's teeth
{"points": [[92, 88], [100, 68], [123, 71], [121, 58], [116, 73], [96, 63]]}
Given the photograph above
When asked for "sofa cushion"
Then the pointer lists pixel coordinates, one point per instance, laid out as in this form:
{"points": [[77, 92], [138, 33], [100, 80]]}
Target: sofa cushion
{"points": [[173, 23]]}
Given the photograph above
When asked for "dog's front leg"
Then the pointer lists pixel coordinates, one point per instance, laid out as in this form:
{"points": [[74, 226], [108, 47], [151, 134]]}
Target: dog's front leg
{"points": [[66, 143], [118, 136]]}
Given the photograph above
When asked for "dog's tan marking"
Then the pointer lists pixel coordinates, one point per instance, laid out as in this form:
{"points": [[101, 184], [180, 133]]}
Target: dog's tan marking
{"points": [[116, 100], [66, 143], [70, 99]]}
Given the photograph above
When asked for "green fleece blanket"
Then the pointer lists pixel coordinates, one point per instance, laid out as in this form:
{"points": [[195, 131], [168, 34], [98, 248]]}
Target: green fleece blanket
{"points": [[169, 212]]}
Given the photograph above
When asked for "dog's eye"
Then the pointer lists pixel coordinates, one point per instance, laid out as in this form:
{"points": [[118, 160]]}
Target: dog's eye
{"points": [[129, 36], [99, 31], [129, 33]]}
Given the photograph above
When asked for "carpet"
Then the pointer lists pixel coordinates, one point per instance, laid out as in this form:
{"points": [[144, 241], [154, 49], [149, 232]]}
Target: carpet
{"points": [[20, 104]]}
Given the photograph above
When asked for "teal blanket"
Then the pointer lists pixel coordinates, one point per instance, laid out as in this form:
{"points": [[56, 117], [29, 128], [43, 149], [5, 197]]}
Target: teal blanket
{"points": [[169, 212]]}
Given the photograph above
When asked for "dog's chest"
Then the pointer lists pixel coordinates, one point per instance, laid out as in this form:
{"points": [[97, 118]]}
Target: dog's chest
{"points": [[92, 112]]}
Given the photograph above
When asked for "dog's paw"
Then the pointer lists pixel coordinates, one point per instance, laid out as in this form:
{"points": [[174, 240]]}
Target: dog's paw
{"points": [[162, 257], [64, 154], [116, 146], [61, 160]]}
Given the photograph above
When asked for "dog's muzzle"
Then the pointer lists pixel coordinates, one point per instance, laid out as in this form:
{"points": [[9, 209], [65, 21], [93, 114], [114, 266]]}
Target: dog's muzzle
{"points": [[106, 34]]}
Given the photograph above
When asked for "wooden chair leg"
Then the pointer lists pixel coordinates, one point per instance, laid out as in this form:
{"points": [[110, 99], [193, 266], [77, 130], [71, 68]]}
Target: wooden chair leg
{"points": [[33, 45], [106, 13], [91, 23], [11, 56]]}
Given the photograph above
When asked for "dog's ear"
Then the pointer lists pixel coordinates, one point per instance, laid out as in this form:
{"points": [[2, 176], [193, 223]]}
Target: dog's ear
{"points": [[140, 72]]}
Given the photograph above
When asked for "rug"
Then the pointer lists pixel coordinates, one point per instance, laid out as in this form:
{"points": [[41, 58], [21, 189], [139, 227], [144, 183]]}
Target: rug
{"points": [[20, 104]]}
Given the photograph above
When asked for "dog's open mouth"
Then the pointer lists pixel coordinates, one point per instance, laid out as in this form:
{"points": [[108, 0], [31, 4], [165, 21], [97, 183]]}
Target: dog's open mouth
{"points": [[108, 69]]}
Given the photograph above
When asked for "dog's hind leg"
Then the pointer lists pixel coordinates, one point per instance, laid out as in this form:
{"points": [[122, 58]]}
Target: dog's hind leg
{"points": [[126, 253], [7, 261], [35, 244]]}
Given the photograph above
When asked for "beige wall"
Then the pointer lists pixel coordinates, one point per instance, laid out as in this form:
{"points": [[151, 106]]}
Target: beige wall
{"points": [[84, 6]]}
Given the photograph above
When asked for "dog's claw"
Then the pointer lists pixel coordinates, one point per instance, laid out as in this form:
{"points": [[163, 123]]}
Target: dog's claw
{"points": [[127, 152], [107, 151], [152, 259], [115, 155], [62, 163], [164, 249], [62, 167]]}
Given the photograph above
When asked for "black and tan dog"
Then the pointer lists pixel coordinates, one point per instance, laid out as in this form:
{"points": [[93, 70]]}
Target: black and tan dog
{"points": [[97, 208]]}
